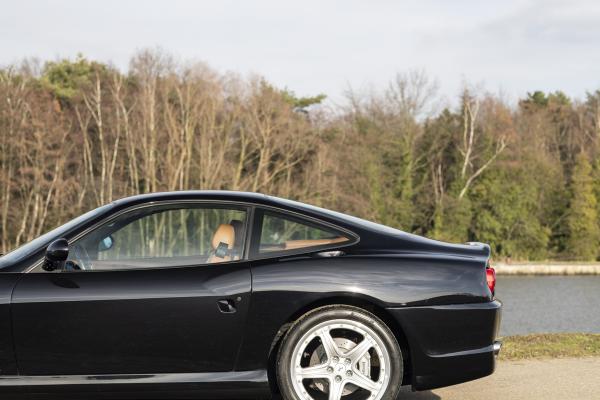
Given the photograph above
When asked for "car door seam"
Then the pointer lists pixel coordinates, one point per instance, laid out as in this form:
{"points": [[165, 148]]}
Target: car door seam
{"points": [[245, 323]]}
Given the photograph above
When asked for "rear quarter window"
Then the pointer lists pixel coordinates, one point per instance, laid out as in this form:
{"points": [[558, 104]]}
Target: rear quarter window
{"points": [[283, 233]]}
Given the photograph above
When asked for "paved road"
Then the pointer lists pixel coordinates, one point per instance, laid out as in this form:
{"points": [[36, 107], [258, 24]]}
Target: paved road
{"points": [[572, 378]]}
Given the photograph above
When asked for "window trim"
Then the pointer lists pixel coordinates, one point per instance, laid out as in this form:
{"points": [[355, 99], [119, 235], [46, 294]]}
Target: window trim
{"points": [[221, 203], [253, 211], [259, 214]]}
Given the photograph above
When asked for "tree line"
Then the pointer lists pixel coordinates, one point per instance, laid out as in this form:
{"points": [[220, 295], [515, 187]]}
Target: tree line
{"points": [[76, 134]]}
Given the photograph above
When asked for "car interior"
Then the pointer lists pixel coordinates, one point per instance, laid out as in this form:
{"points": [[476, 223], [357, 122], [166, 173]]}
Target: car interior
{"points": [[226, 245], [102, 249]]}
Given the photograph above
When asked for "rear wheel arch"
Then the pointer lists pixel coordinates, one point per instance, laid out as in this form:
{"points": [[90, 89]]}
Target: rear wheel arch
{"points": [[351, 301]]}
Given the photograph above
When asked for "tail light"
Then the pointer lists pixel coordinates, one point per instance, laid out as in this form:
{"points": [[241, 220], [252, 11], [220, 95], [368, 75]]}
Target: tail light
{"points": [[490, 277]]}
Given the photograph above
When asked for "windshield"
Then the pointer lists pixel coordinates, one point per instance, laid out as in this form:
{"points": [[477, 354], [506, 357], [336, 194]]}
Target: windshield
{"points": [[42, 241]]}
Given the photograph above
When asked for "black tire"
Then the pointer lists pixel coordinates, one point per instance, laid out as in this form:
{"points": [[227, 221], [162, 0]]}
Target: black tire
{"points": [[332, 312]]}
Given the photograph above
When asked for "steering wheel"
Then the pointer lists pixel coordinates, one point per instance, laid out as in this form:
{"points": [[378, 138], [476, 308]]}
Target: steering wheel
{"points": [[82, 258]]}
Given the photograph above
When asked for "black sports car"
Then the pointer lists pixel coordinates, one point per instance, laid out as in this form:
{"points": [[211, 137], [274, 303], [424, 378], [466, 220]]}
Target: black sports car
{"points": [[228, 294]]}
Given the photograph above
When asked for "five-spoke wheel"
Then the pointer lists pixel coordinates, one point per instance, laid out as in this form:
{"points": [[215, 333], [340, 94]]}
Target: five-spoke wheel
{"points": [[339, 352]]}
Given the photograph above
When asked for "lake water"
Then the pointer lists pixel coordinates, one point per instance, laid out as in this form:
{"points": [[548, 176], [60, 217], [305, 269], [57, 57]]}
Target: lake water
{"points": [[538, 304]]}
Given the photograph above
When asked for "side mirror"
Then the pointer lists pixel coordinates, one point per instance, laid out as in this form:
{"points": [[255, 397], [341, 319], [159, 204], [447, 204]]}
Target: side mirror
{"points": [[57, 253]]}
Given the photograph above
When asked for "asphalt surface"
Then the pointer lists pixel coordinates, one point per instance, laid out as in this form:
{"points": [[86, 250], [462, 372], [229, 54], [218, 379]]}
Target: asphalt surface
{"points": [[571, 378]]}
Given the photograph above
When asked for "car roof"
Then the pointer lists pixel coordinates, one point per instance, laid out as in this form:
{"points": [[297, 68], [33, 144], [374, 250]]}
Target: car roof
{"points": [[234, 196], [193, 195]]}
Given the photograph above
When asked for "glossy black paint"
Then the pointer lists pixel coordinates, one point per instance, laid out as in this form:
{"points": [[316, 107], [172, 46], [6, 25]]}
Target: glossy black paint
{"points": [[449, 344], [8, 365], [57, 253], [228, 385], [122, 322], [165, 329]]}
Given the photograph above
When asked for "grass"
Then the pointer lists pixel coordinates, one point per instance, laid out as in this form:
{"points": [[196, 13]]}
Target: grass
{"points": [[544, 262], [559, 345]]}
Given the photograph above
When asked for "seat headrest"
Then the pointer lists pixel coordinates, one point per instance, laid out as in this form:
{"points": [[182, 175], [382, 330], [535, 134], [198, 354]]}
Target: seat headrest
{"points": [[224, 234]]}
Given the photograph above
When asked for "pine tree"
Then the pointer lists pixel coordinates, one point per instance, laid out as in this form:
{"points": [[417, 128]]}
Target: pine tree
{"points": [[582, 221]]}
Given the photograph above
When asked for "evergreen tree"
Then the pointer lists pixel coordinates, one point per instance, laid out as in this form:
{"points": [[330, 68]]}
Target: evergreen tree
{"points": [[582, 221], [508, 214], [454, 223], [66, 78]]}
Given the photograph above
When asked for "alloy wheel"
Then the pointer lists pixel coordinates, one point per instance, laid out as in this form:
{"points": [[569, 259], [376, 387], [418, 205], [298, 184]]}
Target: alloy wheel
{"points": [[339, 358]]}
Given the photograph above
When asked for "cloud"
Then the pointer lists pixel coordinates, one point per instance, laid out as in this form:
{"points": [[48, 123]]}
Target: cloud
{"points": [[322, 46]]}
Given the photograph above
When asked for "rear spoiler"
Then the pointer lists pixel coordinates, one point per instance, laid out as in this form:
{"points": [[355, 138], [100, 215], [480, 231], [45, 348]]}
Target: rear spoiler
{"points": [[485, 247]]}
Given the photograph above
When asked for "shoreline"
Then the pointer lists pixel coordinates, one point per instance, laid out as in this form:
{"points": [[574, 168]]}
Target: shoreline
{"points": [[547, 268]]}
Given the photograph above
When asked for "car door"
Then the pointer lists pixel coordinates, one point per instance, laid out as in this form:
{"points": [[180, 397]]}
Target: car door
{"points": [[156, 289]]}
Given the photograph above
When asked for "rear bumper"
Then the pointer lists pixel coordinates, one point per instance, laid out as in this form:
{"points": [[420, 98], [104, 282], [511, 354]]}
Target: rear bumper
{"points": [[450, 344]]}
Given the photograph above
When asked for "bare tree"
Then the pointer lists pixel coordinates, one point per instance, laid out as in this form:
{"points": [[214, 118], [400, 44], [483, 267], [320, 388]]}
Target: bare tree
{"points": [[469, 172]]}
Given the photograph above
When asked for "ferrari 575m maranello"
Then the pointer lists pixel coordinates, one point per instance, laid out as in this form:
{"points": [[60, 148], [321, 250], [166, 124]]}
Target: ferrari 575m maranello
{"points": [[241, 295]]}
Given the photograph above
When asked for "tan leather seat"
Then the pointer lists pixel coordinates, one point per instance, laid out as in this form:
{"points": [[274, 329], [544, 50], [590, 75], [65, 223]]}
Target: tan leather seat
{"points": [[222, 242]]}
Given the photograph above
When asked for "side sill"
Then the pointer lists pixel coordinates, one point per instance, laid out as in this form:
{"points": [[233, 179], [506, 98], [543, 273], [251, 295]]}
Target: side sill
{"points": [[250, 377]]}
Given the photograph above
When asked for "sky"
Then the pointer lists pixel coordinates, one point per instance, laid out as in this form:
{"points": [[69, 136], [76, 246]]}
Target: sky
{"points": [[509, 47]]}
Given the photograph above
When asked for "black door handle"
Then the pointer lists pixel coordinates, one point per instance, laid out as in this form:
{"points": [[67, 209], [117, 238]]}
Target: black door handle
{"points": [[226, 306]]}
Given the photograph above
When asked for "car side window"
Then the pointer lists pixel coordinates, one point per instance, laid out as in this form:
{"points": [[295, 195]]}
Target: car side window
{"points": [[282, 233], [161, 237]]}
